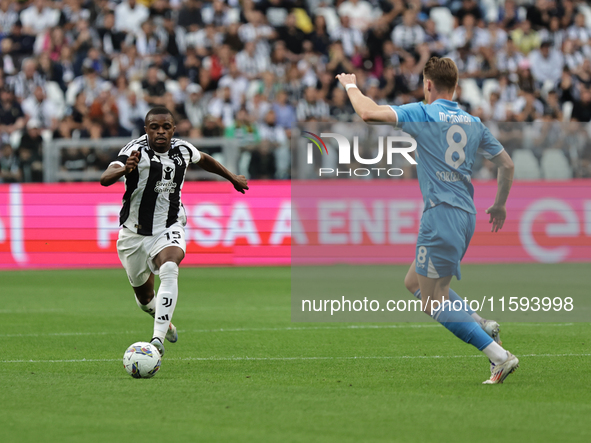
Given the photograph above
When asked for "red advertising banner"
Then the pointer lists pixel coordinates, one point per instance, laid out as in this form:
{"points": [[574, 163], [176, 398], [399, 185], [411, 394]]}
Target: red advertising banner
{"points": [[350, 221], [75, 225], [355, 221]]}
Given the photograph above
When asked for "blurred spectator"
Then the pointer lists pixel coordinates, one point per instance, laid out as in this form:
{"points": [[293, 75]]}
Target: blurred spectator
{"points": [[129, 16], [77, 160], [132, 112], [546, 64], [470, 33], [409, 33], [190, 14], [112, 128], [525, 38], [341, 109], [9, 167], [77, 119], [359, 12], [469, 7], [243, 128], [250, 63], [8, 16], [508, 59], [311, 107], [284, 111], [237, 83], [9, 65], [38, 107], [30, 153], [195, 108], [111, 39], [578, 32], [262, 162], [22, 41], [24, 83], [40, 16], [582, 107], [291, 35], [12, 117], [222, 108], [270, 130], [350, 38], [89, 82], [154, 88]]}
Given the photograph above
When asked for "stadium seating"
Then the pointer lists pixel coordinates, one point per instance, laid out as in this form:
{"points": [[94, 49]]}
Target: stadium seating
{"points": [[526, 165], [555, 165]]}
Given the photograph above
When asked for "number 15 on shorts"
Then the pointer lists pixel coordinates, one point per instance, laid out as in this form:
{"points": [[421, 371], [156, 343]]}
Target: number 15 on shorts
{"points": [[173, 236]]}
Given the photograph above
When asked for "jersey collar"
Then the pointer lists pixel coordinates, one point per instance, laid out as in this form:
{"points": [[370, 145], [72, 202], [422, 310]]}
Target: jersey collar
{"points": [[447, 103]]}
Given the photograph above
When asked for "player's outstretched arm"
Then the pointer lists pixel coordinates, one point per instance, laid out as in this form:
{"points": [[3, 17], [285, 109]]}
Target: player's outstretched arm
{"points": [[364, 106], [210, 164], [498, 211], [114, 172]]}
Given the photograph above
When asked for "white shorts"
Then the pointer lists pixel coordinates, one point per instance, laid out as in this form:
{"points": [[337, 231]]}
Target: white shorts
{"points": [[137, 252]]}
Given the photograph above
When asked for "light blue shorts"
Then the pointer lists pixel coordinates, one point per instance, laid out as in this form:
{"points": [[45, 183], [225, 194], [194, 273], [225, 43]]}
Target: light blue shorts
{"points": [[444, 237]]}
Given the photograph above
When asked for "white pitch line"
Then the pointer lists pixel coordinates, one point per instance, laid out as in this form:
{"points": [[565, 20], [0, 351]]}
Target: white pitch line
{"points": [[288, 328], [398, 357]]}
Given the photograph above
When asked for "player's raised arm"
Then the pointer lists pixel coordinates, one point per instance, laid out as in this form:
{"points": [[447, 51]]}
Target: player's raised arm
{"points": [[364, 106], [498, 212], [116, 170], [210, 164]]}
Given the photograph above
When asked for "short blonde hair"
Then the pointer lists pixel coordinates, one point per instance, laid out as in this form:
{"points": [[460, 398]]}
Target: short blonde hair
{"points": [[443, 72]]}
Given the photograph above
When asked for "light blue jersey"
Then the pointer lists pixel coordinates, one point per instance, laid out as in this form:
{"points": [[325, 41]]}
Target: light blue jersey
{"points": [[447, 141]]}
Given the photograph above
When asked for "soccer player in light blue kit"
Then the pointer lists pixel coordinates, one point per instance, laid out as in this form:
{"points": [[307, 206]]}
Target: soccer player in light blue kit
{"points": [[447, 141]]}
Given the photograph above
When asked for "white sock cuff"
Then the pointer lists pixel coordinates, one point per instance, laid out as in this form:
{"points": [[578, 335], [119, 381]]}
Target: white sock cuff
{"points": [[150, 307], [168, 270]]}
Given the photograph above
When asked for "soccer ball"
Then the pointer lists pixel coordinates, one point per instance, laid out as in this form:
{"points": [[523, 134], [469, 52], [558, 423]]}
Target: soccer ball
{"points": [[141, 360]]}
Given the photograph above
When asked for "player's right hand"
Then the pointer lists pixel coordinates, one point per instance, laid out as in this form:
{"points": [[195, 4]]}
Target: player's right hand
{"points": [[498, 214], [346, 79], [240, 183], [132, 162]]}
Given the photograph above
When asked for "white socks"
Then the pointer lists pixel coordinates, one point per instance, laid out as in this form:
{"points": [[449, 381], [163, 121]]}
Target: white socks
{"points": [[495, 353], [166, 298], [477, 318], [150, 308]]}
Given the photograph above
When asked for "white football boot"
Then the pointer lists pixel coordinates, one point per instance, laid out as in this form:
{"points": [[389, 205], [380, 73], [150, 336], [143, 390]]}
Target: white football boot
{"points": [[158, 345], [498, 373], [492, 328], [171, 335]]}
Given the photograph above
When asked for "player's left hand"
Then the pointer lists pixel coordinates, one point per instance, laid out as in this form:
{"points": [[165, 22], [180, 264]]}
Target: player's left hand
{"points": [[498, 214], [240, 183], [347, 79]]}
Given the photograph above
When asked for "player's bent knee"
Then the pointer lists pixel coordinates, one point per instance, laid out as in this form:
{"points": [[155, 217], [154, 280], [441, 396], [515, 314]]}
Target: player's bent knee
{"points": [[169, 269], [170, 254], [411, 282]]}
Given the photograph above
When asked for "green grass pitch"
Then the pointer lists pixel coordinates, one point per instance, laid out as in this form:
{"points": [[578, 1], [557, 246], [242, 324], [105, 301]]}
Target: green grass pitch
{"points": [[242, 372]]}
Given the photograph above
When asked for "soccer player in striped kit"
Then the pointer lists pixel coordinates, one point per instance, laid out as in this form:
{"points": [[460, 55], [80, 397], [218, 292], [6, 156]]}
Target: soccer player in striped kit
{"points": [[152, 236]]}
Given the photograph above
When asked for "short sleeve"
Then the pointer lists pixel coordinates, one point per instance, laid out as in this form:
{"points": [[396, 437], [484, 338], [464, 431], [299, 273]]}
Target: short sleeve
{"points": [[489, 146], [124, 154], [194, 154], [413, 112]]}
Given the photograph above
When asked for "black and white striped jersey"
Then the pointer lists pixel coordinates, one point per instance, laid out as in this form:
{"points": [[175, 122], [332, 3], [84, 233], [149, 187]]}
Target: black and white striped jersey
{"points": [[152, 199]]}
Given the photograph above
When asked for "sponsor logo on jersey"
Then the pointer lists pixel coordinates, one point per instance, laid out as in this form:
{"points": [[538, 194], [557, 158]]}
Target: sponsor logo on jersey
{"points": [[166, 185]]}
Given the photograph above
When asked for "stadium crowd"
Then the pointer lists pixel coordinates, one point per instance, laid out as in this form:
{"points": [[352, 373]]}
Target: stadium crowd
{"points": [[249, 70]]}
